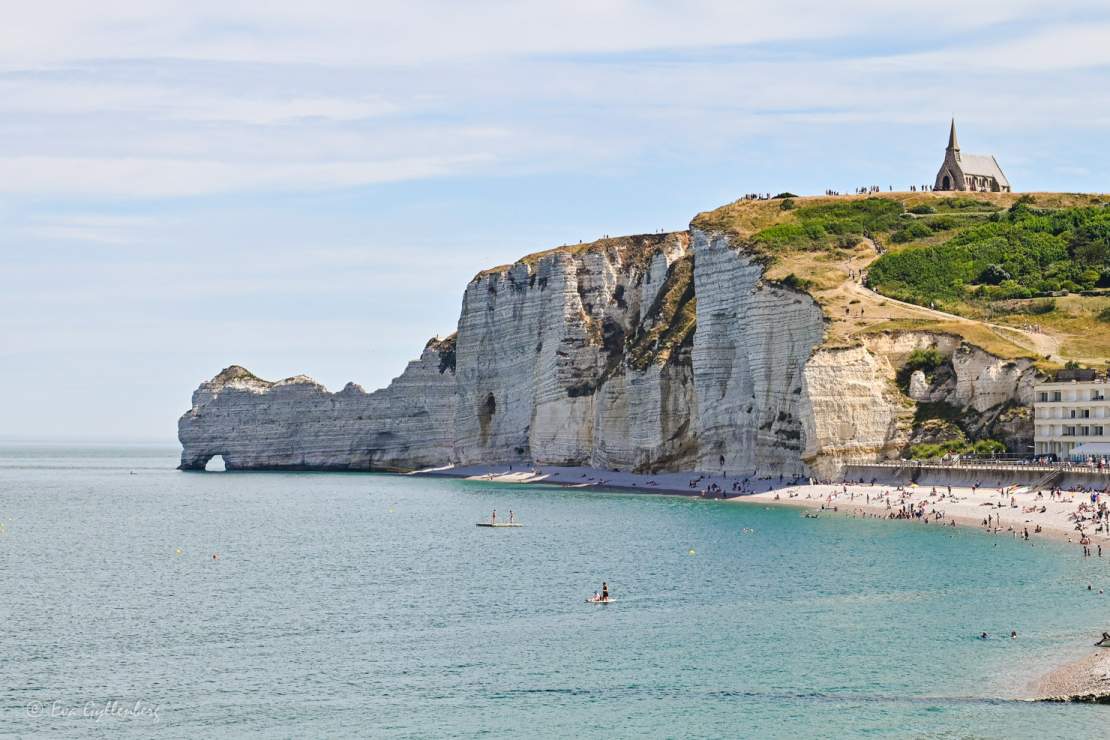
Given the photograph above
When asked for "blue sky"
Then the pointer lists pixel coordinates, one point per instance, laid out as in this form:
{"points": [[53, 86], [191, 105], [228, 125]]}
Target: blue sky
{"points": [[307, 187]]}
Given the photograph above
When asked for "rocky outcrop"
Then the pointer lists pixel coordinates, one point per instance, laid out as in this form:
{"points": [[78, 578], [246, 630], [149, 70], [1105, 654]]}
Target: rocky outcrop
{"points": [[852, 410], [296, 424], [646, 353]]}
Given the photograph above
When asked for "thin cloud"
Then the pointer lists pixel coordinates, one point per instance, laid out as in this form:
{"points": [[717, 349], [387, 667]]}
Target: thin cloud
{"points": [[162, 178]]}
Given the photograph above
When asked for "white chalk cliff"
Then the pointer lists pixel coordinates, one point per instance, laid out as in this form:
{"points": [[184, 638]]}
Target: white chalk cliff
{"points": [[647, 353]]}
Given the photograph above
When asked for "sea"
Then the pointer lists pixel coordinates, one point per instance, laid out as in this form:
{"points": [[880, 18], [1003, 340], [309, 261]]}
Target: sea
{"points": [[138, 601]]}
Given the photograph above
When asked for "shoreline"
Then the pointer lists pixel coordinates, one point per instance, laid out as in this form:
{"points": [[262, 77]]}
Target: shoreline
{"points": [[1086, 680], [1012, 512]]}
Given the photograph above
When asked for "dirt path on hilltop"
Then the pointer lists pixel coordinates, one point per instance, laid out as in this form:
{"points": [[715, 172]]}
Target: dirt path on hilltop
{"points": [[877, 306]]}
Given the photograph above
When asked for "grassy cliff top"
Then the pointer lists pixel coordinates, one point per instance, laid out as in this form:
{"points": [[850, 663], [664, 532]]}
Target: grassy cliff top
{"points": [[746, 218], [1021, 275]]}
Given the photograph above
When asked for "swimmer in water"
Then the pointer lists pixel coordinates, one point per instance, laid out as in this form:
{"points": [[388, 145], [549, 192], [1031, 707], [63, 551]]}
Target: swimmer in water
{"points": [[984, 636]]}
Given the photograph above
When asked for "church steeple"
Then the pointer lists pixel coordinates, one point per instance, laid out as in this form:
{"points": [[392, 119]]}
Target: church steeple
{"points": [[953, 142]]}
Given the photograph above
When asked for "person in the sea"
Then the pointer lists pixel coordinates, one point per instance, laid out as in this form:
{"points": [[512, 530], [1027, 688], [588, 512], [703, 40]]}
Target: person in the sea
{"points": [[1013, 634], [984, 636], [604, 591], [512, 517], [493, 517]]}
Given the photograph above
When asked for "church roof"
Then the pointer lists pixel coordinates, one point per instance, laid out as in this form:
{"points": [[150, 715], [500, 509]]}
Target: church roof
{"points": [[983, 165]]}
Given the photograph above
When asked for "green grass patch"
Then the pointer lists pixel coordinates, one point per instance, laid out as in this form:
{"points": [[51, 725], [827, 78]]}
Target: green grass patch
{"points": [[833, 224], [1014, 255], [930, 451]]}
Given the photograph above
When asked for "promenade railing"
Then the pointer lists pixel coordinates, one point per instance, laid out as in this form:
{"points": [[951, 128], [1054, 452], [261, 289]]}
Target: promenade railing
{"points": [[985, 464]]}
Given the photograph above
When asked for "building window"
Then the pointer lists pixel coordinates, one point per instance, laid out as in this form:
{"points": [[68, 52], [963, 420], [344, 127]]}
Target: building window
{"points": [[1096, 431], [1044, 397], [1055, 396]]}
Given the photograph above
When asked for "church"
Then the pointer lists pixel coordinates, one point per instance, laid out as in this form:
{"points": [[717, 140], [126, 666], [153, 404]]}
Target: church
{"points": [[979, 172]]}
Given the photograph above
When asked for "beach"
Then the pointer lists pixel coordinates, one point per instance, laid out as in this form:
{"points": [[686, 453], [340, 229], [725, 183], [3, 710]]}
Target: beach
{"points": [[1000, 510]]}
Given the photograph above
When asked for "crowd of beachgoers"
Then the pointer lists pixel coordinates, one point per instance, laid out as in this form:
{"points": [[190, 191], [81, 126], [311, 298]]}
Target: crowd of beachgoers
{"points": [[1076, 514]]}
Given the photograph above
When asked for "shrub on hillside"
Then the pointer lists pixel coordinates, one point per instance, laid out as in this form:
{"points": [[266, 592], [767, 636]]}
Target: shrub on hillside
{"points": [[1089, 278], [787, 204], [911, 231], [821, 226], [993, 275], [795, 282], [923, 209], [956, 447], [926, 360], [943, 223], [989, 447], [1038, 308], [1104, 315]]}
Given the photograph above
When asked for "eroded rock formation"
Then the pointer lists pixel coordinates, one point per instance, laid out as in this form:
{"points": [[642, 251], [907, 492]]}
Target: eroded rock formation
{"points": [[647, 353]]}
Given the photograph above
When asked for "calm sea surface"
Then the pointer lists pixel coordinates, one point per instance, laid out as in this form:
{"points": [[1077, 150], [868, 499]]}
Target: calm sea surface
{"points": [[370, 605]]}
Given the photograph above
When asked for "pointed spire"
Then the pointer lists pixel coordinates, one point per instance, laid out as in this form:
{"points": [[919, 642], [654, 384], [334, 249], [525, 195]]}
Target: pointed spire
{"points": [[953, 143]]}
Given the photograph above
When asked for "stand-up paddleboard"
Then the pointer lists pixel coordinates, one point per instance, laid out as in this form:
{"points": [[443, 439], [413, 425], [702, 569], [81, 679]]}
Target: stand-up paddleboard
{"points": [[499, 524], [592, 600]]}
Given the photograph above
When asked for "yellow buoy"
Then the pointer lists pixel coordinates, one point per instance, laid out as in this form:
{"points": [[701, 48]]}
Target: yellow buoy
{"points": [[179, 551], [693, 552]]}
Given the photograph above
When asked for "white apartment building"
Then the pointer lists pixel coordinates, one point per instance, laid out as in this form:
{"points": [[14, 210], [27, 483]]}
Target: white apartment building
{"points": [[1072, 416]]}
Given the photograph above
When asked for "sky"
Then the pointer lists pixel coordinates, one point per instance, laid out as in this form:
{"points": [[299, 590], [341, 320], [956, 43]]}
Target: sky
{"points": [[307, 187]]}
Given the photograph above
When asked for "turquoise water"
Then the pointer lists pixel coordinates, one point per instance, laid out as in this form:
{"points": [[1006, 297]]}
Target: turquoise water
{"points": [[367, 605]]}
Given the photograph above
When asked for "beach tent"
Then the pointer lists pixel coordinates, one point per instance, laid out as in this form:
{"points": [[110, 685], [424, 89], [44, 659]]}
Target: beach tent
{"points": [[1090, 449]]}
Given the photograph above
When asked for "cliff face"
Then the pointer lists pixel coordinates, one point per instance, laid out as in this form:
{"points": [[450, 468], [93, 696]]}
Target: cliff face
{"points": [[647, 353], [750, 349], [296, 424], [853, 408], [547, 363]]}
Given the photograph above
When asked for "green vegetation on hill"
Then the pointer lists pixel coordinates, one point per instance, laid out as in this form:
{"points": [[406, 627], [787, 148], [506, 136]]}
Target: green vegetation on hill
{"points": [[836, 224], [926, 360], [977, 255], [927, 451], [1016, 254]]}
